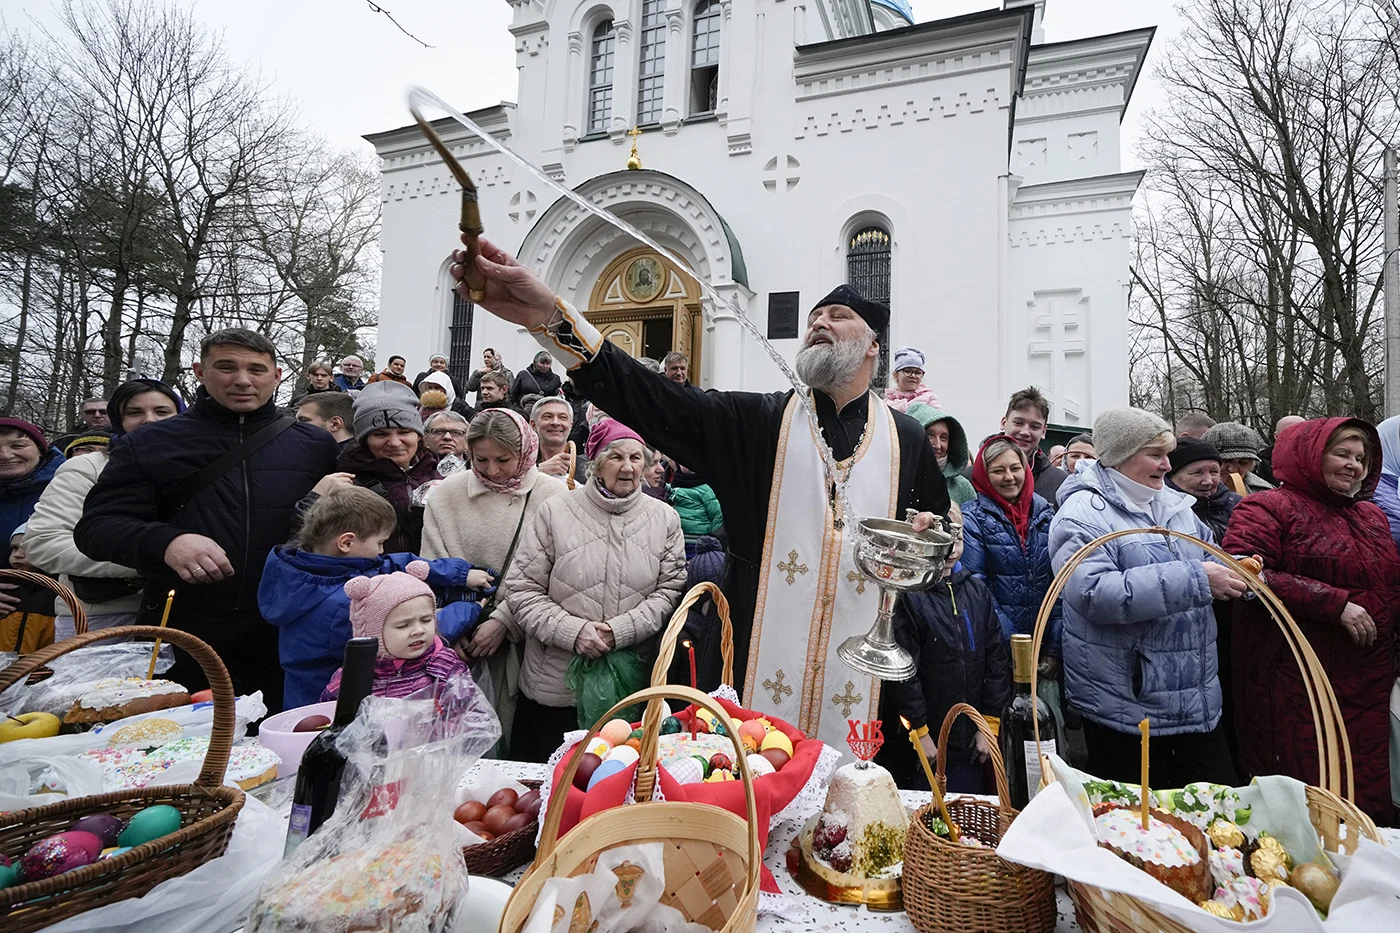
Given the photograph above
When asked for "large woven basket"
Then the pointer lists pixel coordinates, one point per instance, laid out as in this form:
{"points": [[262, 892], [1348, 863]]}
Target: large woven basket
{"points": [[711, 855], [1340, 825], [949, 886], [207, 808]]}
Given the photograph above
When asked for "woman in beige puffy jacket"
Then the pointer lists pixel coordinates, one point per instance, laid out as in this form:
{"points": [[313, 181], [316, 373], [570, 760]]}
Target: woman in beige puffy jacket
{"points": [[599, 569]]}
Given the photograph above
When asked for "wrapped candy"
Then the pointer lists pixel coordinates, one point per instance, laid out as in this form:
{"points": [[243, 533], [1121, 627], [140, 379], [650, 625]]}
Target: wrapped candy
{"points": [[1226, 834], [1267, 866], [1217, 909], [1271, 845]]}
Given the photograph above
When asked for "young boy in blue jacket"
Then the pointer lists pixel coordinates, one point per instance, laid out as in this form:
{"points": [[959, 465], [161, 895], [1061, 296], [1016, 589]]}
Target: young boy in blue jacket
{"points": [[953, 632], [303, 586]]}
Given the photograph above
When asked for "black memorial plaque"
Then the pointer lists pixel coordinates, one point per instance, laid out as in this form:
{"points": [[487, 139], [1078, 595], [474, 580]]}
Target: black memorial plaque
{"points": [[782, 315]]}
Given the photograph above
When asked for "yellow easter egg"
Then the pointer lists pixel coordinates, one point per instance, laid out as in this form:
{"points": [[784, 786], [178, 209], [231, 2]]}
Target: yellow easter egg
{"points": [[778, 740]]}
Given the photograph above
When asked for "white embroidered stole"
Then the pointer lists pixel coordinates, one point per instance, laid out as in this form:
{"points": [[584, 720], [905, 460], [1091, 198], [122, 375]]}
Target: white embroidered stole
{"points": [[811, 597]]}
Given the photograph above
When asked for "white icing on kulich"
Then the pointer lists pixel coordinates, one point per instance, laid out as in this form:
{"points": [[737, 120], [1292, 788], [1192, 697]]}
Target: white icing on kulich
{"points": [[1159, 844], [863, 796], [114, 691]]}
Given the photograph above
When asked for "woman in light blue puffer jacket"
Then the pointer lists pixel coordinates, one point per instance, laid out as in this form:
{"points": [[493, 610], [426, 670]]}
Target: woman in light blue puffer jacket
{"points": [[1139, 631]]}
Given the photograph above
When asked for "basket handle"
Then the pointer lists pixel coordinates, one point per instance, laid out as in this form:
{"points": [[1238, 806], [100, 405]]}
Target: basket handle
{"points": [[220, 739], [573, 465], [75, 606], [667, 649], [998, 766], [1333, 748], [653, 696]]}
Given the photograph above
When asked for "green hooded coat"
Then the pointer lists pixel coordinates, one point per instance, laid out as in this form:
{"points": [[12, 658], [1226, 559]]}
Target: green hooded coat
{"points": [[959, 487]]}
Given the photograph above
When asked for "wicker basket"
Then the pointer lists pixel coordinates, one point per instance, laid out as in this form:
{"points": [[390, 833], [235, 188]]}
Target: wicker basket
{"points": [[712, 856], [207, 808], [75, 606], [1340, 825], [948, 886], [502, 855]]}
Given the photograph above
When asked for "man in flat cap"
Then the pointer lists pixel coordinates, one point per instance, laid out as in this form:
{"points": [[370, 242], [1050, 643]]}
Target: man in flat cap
{"points": [[794, 592]]}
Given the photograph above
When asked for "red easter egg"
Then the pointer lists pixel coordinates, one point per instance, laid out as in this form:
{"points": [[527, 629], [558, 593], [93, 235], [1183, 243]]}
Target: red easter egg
{"points": [[719, 761], [202, 696], [519, 821], [497, 817], [529, 802], [586, 767], [776, 757], [505, 796], [469, 812], [477, 827]]}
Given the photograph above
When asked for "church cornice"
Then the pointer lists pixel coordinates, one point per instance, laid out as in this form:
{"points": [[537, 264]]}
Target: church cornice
{"points": [[405, 147], [1063, 211], [1084, 75]]}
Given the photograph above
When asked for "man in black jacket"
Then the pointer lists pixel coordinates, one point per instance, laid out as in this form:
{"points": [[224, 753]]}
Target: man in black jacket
{"points": [[211, 550], [538, 378]]}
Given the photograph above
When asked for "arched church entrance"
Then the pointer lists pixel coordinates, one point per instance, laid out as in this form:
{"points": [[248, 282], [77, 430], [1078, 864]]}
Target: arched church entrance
{"points": [[645, 306]]}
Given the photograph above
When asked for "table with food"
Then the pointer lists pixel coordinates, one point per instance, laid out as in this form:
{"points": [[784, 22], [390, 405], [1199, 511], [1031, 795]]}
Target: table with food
{"points": [[130, 804]]}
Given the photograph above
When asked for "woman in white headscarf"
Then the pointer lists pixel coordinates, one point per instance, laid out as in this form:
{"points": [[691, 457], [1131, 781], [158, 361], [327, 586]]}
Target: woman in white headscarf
{"points": [[1387, 496]]}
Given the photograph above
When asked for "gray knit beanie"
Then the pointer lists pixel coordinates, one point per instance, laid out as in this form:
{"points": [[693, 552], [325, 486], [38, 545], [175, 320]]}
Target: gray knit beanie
{"points": [[1235, 441], [386, 404], [1121, 432]]}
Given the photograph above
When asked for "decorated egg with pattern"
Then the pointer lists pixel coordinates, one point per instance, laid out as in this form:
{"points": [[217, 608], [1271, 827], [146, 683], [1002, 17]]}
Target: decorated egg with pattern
{"points": [[686, 770], [56, 854]]}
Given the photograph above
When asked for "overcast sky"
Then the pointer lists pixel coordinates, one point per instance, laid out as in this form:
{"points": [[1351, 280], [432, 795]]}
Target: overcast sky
{"points": [[350, 67]]}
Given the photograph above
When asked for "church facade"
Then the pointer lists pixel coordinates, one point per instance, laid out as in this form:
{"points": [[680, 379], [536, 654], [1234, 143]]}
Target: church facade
{"points": [[963, 170]]}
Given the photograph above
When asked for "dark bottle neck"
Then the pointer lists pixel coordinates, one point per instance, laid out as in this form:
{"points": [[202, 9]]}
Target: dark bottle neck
{"points": [[356, 678]]}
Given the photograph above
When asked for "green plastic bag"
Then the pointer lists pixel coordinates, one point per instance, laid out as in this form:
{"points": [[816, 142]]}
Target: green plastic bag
{"points": [[599, 683]]}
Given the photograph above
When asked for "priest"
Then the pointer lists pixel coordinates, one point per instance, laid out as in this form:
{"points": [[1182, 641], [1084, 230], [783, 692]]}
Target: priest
{"points": [[794, 591]]}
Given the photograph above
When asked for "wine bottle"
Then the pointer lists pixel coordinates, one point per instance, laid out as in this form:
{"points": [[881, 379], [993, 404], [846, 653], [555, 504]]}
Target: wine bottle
{"points": [[322, 764], [1017, 736]]}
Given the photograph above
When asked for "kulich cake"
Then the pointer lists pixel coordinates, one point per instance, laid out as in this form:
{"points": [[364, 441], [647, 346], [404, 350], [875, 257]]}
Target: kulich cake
{"points": [[1169, 849], [126, 768], [398, 889], [118, 697], [248, 765], [860, 832]]}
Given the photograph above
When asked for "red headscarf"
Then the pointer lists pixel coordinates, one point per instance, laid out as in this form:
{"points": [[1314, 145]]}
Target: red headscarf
{"points": [[1019, 511]]}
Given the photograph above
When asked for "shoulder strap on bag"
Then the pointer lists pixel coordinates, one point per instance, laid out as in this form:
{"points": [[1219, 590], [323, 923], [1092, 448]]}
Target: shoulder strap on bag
{"points": [[180, 496], [510, 555]]}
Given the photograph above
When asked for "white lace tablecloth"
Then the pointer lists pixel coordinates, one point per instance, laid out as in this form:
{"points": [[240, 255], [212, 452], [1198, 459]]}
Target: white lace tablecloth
{"points": [[821, 916]]}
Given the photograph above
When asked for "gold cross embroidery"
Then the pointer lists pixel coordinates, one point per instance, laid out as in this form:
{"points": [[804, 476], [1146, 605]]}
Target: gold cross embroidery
{"points": [[778, 687], [792, 567], [851, 698], [858, 578]]}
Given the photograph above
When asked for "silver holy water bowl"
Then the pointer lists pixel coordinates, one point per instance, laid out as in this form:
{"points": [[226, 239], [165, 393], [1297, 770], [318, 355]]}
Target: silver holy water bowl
{"points": [[896, 558]]}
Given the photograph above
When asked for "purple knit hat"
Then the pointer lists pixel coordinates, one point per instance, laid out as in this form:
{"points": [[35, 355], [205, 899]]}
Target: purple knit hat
{"points": [[373, 598], [35, 432], [605, 432]]}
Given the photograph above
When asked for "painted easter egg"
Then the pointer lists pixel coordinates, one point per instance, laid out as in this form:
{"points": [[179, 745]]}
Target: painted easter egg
{"points": [[115, 851], [148, 824], [9, 876], [57, 854], [778, 740], [752, 735], [104, 826], [605, 770], [719, 761], [623, 753], [586, 767], [686, 771], [759, 766], [600, 746], [776, 757], [670, 726], [616, 731]]}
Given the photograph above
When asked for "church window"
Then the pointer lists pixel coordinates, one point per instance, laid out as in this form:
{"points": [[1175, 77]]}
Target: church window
{"points": [[868, 272], [704, 58], [459, 354], [600, 76], [653, 63]]}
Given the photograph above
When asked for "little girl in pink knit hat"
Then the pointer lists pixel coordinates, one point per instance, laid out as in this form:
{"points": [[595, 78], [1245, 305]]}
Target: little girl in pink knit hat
{"points": [[399, 610]]}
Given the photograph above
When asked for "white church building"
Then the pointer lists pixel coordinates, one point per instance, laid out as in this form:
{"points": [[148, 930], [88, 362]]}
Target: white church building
{"points": [[963, 170]]}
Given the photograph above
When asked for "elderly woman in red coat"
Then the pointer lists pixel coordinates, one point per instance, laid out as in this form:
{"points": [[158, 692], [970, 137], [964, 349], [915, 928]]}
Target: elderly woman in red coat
{"points": [[1329, 556]]}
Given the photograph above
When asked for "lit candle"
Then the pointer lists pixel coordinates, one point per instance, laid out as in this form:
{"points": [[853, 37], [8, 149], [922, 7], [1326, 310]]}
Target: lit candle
{"points": [[691, 648], [155, 649], [1145, 729], [914, 736]]}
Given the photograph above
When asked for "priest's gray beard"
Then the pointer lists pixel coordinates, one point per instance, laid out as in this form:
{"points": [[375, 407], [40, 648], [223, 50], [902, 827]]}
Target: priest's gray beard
{"points": [[828, 366]]}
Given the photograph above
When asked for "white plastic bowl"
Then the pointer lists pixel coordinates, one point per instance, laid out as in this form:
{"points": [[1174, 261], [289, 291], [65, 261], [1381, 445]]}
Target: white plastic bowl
{"points": [[276, 733]]}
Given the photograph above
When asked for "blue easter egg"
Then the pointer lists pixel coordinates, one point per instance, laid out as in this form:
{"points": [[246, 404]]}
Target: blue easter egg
{"points": [[606, 769], [8, 876], [148, 824], [670, 726]]}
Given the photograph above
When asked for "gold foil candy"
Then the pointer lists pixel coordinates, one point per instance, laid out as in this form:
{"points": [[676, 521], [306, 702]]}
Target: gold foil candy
{"points": [[1225, 834], [1217, 909], [1267, 866], [1272, 845]]}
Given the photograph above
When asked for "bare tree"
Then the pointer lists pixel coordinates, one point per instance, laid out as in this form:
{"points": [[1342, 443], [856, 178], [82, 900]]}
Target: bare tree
{"points": [[1259, 267]]}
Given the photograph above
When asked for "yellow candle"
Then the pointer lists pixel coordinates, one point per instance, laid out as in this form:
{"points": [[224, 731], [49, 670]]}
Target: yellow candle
{"points": [[914, 736], [1145, 729], [155, 649]]}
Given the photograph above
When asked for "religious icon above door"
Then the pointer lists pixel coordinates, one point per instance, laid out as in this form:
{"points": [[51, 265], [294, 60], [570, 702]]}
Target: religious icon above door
{"points": [[643, 280]]}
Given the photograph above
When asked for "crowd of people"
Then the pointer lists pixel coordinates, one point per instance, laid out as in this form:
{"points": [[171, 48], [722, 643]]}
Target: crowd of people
{"points": [[554, 526]]}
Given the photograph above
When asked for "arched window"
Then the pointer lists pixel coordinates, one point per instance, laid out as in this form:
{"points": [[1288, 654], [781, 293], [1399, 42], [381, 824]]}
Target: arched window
{"points": [[459, 353], [704, 58], [651, 71], [868, 272], [600, 76]]}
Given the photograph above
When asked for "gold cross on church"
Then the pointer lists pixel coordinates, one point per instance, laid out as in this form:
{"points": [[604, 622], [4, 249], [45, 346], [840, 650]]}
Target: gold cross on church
{"points": [[634, 159]]}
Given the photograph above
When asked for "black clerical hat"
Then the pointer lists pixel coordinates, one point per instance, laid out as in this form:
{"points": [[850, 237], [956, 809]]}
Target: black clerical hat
{"points": [[873, 313]]}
